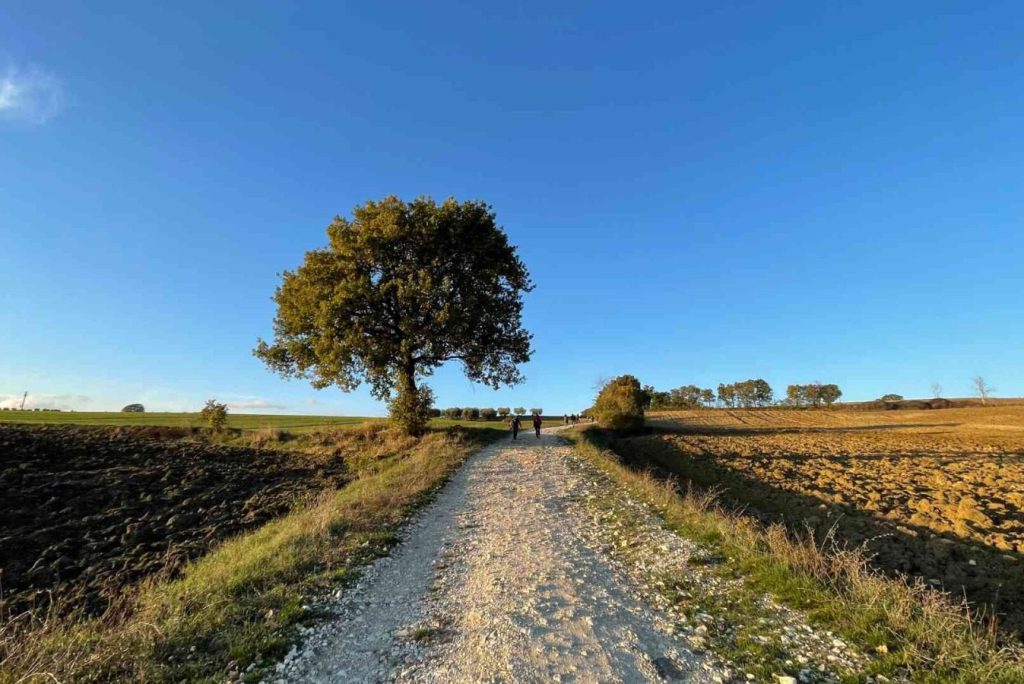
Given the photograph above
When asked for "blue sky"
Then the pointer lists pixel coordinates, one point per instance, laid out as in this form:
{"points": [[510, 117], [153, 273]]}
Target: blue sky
{"points": [[703, 192]]}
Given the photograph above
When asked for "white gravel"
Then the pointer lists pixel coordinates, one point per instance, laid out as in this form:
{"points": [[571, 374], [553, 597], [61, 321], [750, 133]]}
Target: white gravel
{"points": [[513, 574]]}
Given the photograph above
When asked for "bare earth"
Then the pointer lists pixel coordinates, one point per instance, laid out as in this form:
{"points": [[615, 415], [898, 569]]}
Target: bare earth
{"points": [[516, 573]]}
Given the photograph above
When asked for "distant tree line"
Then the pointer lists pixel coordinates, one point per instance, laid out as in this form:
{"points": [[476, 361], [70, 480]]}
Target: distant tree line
{"points": [[472, 413], [753, 393], [745, 394], [37, 410], [687, 396], [813, 395]]}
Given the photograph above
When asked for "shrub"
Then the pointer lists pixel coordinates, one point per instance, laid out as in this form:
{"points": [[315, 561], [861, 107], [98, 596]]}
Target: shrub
{"points": [[504, 411], [488, 414], [134, 408], [411, 410], [452, 413], [214, 415], [620, 404], [891, 397], [470, 413]]}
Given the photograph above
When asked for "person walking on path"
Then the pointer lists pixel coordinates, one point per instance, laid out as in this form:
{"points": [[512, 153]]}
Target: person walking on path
{"points": [[515, 425], [537, 422]]}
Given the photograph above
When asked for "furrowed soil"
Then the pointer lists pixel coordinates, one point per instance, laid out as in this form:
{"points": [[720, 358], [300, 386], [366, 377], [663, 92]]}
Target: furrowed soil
{"points": [[935, 494], [87, 512]]}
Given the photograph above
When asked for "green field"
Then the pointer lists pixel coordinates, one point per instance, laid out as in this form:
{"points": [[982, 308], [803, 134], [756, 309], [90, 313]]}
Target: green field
{"points": [[241, 421]]}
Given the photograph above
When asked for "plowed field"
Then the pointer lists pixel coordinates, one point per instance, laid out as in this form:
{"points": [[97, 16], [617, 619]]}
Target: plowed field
{"points": [[86, 512], [937, 494]]}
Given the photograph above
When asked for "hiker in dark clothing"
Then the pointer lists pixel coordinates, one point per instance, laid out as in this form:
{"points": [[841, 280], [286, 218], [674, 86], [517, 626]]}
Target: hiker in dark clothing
{"points": [[537, 422], [515, 425]]}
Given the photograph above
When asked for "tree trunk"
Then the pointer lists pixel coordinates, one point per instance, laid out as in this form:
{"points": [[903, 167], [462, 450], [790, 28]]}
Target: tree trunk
{"points": [[406, 410]]}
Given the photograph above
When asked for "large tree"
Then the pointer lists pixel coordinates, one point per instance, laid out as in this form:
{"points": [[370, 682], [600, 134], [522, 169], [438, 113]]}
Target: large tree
{"points": [[400, 289]]}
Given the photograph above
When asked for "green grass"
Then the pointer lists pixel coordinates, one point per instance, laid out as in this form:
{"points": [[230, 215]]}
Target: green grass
{"points": [[240, 603], [928, 638], [238, 421]]}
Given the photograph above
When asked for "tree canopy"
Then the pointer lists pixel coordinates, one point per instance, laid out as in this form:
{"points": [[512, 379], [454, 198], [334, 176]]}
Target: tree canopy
{"points": [[400, 289], [814, 394], [620, 404]]}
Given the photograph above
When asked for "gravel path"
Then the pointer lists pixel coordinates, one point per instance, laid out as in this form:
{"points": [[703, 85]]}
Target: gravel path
{"points": [[515, 573]]}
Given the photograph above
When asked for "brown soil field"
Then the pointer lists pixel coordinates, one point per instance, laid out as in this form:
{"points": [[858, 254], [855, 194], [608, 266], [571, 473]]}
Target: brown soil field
{"points": [[87, 512], [935, 494]]}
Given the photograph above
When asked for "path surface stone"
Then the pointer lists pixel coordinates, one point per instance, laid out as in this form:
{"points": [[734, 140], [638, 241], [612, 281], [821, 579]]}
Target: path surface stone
{"points": [[507, 576]]}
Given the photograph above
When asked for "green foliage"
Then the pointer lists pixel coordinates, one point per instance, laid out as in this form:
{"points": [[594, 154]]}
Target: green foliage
{"points": [[504, 411], [411, 410], [214, 415], [829, 394], [536, 412], [134, 408], [400, 289], [746, 394], [814, 394], [519, 410], [452, 413], [620, 404], [685, 397], [488, 414], [649, 392], [891, 397], [470, 413]]}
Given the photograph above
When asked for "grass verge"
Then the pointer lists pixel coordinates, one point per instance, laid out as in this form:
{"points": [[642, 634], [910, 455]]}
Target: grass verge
{"points": [[915, 632], [234, 606]]}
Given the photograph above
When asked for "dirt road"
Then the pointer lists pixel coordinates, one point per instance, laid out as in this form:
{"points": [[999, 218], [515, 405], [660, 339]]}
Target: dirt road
{"points": [[511, 575]]}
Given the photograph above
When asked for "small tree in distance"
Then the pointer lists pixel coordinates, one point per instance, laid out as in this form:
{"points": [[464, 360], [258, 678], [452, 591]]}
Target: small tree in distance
{"points": [[452, 413], [520, 410], [829, 394], [504, 411], [488, 413], [936, 390], [891, 397], [214, 415], [537, 411], [982, 388], [134, 408]]}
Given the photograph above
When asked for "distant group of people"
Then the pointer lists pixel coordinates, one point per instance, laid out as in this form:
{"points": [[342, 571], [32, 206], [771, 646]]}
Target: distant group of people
{"points": [[516, 424]]}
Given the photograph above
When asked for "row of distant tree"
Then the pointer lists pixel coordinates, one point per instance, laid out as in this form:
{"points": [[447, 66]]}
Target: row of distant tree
{"points": [[471, 413], [751, 393], [37, 410]]}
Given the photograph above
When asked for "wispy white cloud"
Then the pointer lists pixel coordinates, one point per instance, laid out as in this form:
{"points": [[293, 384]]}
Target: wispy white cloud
{"points": [[254, 404], [30, 95], [65, 402], [312, 401]]}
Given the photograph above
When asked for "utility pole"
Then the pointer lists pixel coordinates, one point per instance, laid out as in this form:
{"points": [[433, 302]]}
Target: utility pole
{"points": [[23, 398]]}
